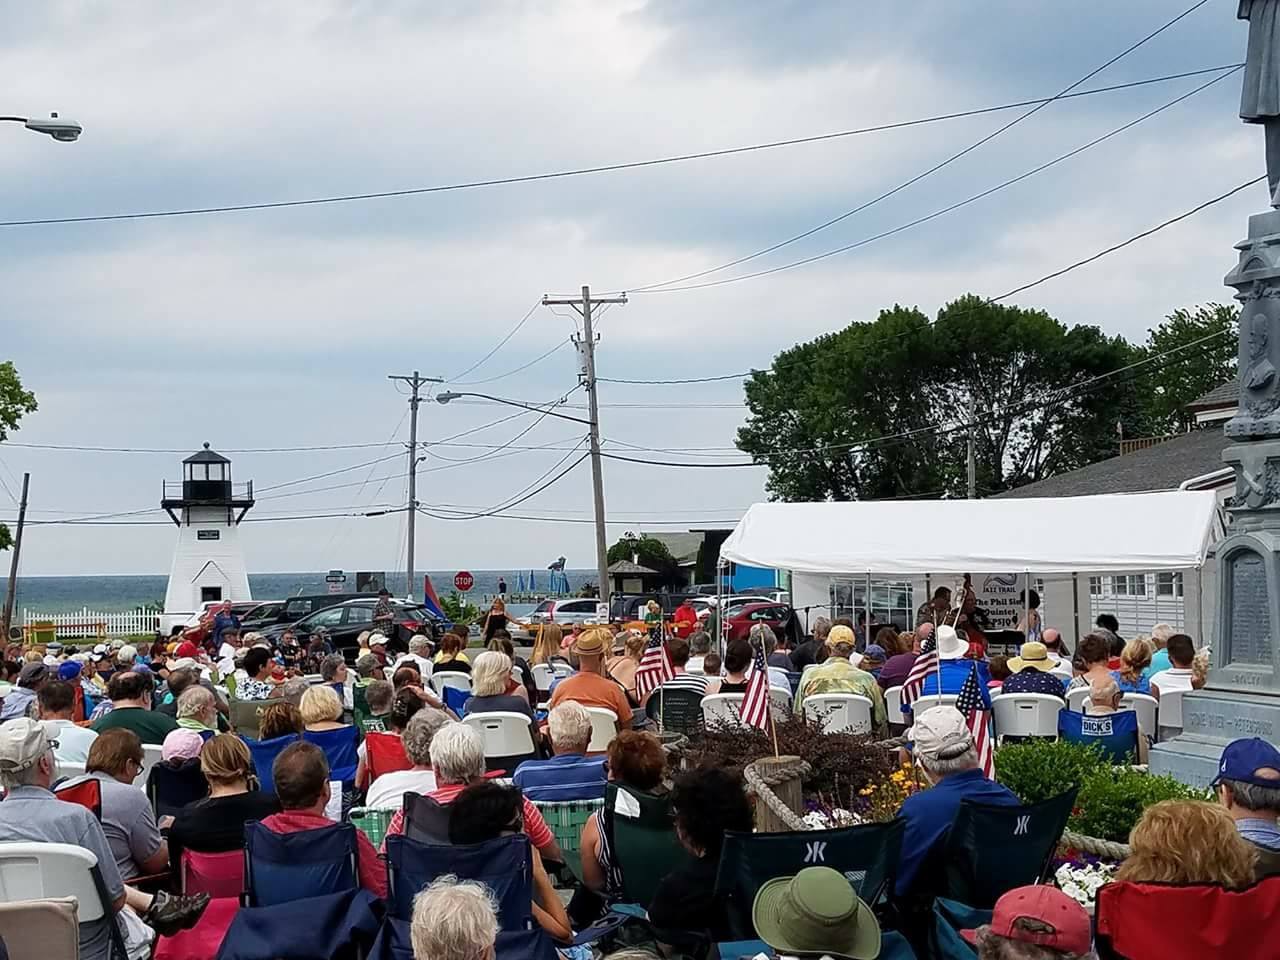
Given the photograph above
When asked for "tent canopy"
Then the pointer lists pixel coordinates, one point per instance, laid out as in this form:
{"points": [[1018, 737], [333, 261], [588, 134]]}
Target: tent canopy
{"points": [[1100, 534]]}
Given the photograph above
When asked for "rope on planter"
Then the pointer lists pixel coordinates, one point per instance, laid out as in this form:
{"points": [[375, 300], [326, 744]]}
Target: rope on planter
{"points": [[893, 743], [762, 786], [1095, 846]]}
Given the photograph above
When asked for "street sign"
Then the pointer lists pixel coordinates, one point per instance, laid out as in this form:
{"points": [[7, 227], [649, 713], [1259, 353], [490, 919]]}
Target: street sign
{"points": [[463, 581], [336, 581]]}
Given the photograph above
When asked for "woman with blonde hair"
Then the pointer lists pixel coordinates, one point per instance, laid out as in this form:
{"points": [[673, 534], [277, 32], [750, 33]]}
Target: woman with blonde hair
{"points": [[216, 823], [623, 666], [1188, 841], [1134, 660], [321, 709], [546, 645], [491, 687]]}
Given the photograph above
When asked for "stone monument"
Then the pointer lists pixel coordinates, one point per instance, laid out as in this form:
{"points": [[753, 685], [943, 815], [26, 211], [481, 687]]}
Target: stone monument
{"points": [[1242, 695]]}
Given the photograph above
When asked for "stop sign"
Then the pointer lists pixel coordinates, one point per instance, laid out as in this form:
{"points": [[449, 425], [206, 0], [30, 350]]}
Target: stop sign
{"points": [[464, 581]]}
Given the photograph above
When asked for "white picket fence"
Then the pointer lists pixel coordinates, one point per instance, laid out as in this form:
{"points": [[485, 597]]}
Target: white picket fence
{"points": [[91, 623]]}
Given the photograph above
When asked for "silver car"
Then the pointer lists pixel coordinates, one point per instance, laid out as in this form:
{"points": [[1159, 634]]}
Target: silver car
{"points": [[566, 612]]}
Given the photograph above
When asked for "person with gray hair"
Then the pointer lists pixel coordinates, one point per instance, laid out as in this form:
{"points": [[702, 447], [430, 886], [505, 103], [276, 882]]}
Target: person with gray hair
{"points": [[419, 653], [812, 650], [1248, 785], [198, 710], [454, 920], [570, 774], [699, 647], [457, 759], [948, 757], [388, 790], [1034, 923], [494, 691]]}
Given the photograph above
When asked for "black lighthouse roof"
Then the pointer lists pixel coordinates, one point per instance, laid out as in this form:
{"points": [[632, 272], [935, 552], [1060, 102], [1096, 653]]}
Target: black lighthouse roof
{"points": [[206, 456]]}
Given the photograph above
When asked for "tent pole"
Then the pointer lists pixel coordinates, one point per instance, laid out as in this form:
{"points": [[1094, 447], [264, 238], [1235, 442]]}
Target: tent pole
{"points": [[1200, 604], [866, 636], [1026, 601], [1075, 605]]}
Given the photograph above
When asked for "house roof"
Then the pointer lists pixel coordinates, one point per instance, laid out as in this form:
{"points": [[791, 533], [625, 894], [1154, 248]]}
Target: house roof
{"points": [[206, 456], [626, 568], [1164, 466], [1223, 395], [684, 547]]}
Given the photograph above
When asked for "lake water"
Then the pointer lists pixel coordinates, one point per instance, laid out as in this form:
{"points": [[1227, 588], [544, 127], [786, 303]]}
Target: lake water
{"points": [[110, 594]]}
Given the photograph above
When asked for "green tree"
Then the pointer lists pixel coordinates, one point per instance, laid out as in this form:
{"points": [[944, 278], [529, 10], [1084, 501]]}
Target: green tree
{"points": [[15, 403], [459, 609], [651, 553], [1026, 382], [1169, 385]]}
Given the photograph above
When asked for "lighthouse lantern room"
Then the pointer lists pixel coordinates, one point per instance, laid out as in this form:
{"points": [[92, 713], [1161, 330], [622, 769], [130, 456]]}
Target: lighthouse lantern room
{"points": [[208, 561]]}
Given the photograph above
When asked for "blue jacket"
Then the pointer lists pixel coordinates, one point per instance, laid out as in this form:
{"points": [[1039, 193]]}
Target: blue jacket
{"points": [[954, 673], [929, 816], [569, 776]]}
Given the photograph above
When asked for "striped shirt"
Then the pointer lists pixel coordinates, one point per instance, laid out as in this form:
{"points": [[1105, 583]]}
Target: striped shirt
{"points": [[686, 681]]}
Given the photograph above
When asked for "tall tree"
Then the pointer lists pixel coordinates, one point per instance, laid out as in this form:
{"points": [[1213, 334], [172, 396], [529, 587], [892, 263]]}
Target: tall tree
{"points": [[1031, 388], [1169, 385], [15, 402]]}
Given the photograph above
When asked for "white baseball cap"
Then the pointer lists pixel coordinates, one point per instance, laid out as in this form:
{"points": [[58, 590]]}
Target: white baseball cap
{"points": [[22, 743], [377, 640], [940, 733]]}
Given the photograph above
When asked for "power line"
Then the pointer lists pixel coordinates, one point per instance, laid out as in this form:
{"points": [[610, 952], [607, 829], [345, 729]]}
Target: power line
{"points": [[87, 448], [603, 168], [992, 300], [510, 373], [90, 522], [496, 511], [501, 343], [804, 261], [931, 170]]}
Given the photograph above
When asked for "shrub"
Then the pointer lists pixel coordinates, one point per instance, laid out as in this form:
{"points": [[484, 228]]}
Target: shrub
{"points": [[1111, 801], [1036, 770]]}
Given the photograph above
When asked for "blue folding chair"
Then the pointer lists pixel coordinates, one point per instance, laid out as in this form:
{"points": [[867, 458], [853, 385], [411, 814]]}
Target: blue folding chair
{"points": [[282, 867], [393, 943], [339, 746], [456, 700], [504, 865], [264, 753]]}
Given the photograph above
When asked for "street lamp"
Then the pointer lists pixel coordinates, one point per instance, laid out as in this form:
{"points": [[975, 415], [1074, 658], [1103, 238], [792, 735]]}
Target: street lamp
{"points": [[602, 560], [53, 125]]}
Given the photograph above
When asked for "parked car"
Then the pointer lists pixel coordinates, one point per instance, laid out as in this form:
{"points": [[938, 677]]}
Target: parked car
{"points": [[346, 621], [631, 606], [293, 609], [564, 612], [739, 621]]}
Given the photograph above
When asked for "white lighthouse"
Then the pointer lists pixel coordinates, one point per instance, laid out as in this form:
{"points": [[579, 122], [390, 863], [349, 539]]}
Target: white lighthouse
{"points": [[208, 562]]}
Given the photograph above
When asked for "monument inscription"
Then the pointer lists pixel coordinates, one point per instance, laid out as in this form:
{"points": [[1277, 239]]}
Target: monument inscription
{"points": [[1249, 640]]}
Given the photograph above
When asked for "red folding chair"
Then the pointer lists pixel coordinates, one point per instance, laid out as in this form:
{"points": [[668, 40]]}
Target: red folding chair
{"points": [[217, 874], [1187, 922], [87, 793], [384, 753]]}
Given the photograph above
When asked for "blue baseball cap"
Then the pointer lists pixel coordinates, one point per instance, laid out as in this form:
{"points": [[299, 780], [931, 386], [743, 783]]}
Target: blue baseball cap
{"points": [[69, 670], [1242, 759]]}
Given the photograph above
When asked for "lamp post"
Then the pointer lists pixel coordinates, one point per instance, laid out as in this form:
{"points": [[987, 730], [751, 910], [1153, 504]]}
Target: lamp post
{"points": [[53, 126], [602, 559]]}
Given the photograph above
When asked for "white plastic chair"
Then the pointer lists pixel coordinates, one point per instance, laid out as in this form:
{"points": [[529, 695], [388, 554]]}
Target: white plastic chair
{"points": [[1063, 671], [151, 755], [505, 733], [517, 674], [542, 676], [780, 704], [1169, 714], [893, 703], [604, 727], [724, 707], [839, 712], [450, 678], [1147, 708], [69, 771], [1077, 698], [1026, 715], [561, 669], [42, 871]]}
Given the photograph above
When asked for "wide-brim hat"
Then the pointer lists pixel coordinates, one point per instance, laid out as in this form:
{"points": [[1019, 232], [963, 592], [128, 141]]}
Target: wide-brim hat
{"points": [[951, 646], [1033, 655], [816, 912]]}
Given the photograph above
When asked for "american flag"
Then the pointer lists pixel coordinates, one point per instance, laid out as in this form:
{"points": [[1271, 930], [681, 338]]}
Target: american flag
{"points": [[755, 702], [925, 664], [655, 667], [978, 719]]}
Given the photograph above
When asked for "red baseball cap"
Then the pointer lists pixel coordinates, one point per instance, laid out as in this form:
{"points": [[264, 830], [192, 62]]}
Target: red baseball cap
{"points": [[187, 649], [1070, 930]]}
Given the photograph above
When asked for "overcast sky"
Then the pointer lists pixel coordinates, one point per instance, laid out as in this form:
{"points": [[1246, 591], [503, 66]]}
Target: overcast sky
{"points": [[277, 328]]}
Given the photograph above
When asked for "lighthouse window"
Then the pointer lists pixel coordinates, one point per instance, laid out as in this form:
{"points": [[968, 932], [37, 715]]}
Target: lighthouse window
{"points": [[208, 534]]}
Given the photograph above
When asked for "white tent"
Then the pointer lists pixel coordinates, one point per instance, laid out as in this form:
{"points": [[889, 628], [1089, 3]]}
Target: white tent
{"points": [[1101, 534]]}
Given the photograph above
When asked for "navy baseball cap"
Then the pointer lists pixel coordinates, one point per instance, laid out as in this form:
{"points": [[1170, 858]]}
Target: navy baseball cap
{"points": [[1242, 759]]}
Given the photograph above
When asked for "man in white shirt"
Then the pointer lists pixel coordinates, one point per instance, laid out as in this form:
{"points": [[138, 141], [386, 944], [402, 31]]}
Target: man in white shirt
{"points": [[1177, 679], [699, 647], [388, 790], [419, 653], [57, 701]]}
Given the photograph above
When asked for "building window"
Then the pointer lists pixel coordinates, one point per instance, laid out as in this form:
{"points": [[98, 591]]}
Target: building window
{"points": [[1095, 586], [1129, 585], [1168, 585], [890, 602]]}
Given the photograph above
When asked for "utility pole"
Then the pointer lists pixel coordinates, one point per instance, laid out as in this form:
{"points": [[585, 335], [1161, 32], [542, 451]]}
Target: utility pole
{"points": [[13, 561], [415, 383], [587, 345], [972, 469]]}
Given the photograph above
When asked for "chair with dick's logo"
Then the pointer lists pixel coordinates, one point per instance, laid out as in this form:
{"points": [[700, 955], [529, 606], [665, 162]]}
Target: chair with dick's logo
{"points": [[867, 855]]}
